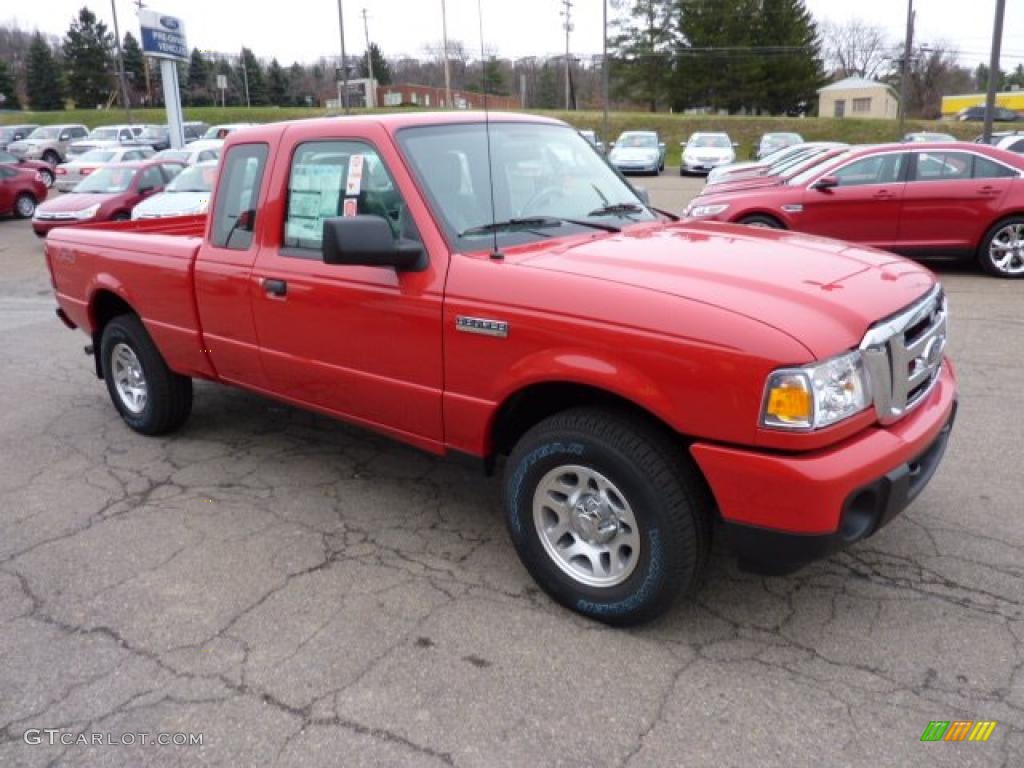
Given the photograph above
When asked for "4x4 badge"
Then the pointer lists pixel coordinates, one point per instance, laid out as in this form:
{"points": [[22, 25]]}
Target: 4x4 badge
{"points": [[482, 325]]}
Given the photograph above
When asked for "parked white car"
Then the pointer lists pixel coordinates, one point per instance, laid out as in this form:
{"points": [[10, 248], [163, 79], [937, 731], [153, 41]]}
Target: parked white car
{"points": [[188, 194], [703, 152], [70, 173], [638, 152], [191, 154], [104, 137], [222, 131]]}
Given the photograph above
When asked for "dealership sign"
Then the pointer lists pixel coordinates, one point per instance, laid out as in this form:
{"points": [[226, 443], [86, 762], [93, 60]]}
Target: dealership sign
{"points": [[163, 36]]}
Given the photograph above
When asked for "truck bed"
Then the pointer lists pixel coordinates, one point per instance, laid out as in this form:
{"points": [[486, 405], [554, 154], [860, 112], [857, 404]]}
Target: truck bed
{"points": [[147, 265]]}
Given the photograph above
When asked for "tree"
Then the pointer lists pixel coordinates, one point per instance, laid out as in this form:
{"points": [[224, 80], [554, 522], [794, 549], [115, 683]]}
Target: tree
{"points": [[8, 93], [1015, 78], [547, 88], [791, 75], [199, 91], [298, 85], [642, 62], [87, 60], [254, 72], [277, 85], [855, 49], [43, 83], [134, 64], [381, 69]]}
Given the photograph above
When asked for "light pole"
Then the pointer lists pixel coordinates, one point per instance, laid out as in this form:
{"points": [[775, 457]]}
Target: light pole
{"points": [[371, 91], [447, 70], [245, 79], [993, 69], [120, 64], [343, 82], [604, 75], [908, 47], [567, 13]]}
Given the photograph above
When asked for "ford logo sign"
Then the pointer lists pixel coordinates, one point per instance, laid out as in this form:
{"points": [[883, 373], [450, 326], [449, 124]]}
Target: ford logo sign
{"points": [[170, 22]]}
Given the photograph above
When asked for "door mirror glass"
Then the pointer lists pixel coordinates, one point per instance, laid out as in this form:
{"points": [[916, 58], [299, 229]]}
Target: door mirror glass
{"points": [[826, 182], [65, 137], [368, 240]]}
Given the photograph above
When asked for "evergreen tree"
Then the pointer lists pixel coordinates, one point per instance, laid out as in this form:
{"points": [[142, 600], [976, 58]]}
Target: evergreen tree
{"points": [[134, 64], [199, 90], [87, 60], [790, 77], [8, 94], [277, 85], [254, 72], [381, 68], [642, 64], [492, 79], [43, 82], [547, 88], [297, 84]]}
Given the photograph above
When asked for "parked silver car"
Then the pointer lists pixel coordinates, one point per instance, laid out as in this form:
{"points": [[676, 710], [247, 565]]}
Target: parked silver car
{"points": [[638, 152], [48, 142], [106, 136], [69, 174], [190, 154], [12, 133], [187, 195]]}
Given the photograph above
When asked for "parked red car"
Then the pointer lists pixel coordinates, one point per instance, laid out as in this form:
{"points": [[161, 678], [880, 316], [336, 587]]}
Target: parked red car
{"points": [[21, 190], [45, 170], [108, 194], [941, 199]]}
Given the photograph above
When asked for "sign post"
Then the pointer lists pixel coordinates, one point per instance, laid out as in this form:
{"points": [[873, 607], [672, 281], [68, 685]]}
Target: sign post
{"points": [[222, 84], [163, 37]]}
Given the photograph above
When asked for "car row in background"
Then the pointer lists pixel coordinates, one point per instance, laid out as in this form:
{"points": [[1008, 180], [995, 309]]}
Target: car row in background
{"points": [[108, 194], [922, 200], [48, 143], [69, 174]]}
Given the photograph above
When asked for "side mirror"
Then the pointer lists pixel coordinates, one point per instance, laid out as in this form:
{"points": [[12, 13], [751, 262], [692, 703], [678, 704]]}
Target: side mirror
{"points": [[65, 137], [825, 182], [643, 194], [146, 190], [661, 145], [368, 241], [735, 144], [611, 144], [683, 143]]}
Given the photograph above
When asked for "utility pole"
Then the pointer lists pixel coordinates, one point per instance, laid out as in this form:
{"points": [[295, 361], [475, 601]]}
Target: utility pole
{"points": [[908, 50], [139, 5], [447, 69], [567, 25], [245, 79], [993, 69], [371, 96], [343, 82], [604, 75], [120, 64]]}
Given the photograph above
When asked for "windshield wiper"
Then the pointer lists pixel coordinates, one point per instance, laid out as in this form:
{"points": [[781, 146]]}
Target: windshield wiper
{"points": [[533, 222], [616, 209]]}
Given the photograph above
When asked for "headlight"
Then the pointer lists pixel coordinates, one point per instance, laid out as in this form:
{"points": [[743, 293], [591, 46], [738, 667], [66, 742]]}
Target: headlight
{"points": [[87, 213], [817, 395], [703, 211]]}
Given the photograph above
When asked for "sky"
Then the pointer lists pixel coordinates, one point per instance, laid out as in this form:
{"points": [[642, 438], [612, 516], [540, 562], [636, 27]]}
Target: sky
{"points": [[304, 30]]}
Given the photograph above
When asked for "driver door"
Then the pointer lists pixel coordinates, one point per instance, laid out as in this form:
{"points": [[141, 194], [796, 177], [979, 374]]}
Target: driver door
{"points": [[360, 342]]}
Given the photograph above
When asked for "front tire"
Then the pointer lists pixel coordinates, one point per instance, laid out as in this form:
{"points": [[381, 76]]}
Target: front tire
{"points": [[1001, 253], [51, 157], [764, 222], [150, 397], [607, 514]]}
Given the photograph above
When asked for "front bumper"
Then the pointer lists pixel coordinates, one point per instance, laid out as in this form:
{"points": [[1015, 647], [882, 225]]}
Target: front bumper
{"points": [[701, 166], [782, 511]]}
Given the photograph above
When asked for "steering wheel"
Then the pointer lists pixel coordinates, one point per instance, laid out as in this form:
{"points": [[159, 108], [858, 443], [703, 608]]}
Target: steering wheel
{"points": [[541, 198]]}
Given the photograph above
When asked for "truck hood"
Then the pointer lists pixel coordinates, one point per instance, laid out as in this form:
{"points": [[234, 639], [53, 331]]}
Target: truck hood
{"points": [[823, 293], [73, 201]]}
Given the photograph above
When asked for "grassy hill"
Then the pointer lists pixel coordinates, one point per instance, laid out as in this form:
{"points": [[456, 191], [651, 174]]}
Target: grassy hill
{"points": [[673, 128]]}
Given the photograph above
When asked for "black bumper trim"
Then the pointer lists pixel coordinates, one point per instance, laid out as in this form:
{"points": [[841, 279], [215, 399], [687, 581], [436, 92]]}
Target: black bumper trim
{"points": [[865, 511]]}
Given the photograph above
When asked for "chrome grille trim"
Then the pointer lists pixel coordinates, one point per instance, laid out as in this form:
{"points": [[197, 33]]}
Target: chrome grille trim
{"points": [[903, 373]]}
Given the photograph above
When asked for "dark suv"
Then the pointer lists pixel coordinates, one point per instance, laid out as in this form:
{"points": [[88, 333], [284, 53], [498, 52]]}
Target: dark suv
{"points": [[977, 114]]}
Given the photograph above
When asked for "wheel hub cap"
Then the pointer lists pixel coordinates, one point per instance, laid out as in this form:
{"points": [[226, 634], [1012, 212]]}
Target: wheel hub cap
{"points": [[129, 379], [594, 521]]}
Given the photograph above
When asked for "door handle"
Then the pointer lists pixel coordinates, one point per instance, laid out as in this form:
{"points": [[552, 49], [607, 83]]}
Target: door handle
{"points": [[883, 195], [275, 287], [987, 190]]}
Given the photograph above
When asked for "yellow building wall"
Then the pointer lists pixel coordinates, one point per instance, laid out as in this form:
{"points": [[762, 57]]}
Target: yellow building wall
{"points": [[1009, 99]]}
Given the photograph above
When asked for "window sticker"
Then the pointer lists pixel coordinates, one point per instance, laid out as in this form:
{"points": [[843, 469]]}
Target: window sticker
{"points": [[355, 175], [315, 190], [351, 206]]}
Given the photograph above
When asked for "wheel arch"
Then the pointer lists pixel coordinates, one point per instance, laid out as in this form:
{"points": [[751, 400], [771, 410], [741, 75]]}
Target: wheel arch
{"points": [[1011, 214], [105, 303], [767, 214]]}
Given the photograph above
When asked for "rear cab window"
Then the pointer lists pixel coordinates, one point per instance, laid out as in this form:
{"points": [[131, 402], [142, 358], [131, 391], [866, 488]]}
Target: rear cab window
{"points": [[238, 189]]}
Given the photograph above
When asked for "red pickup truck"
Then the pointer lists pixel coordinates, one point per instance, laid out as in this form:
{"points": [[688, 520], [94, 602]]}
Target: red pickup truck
{"points": [[499, 291]]}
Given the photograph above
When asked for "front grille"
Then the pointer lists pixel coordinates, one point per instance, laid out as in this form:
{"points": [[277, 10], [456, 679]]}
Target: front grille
{"points": [[903, 355]]}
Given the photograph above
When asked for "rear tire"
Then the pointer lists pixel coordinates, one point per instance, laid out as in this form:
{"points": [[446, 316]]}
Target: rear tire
{"points": [[997, 254], [51, 157], [121, 216], [764, 222], [150, 397], [622, 478], [47, 177], [24, 206]]}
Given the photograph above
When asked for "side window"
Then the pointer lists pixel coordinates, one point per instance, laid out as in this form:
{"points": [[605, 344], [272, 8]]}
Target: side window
{"points": [[1018, 147], [208, 154], [234, 217], [171, 170], [988, 169], [79, 133], [943, 166], [885, 168], [151, 178], [126, 135], [339, 178], [6, 173], [133, 155]]}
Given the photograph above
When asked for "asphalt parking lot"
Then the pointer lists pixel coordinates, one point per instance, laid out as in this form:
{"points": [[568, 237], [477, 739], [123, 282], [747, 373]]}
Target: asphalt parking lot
{"points": [[304, 593]]}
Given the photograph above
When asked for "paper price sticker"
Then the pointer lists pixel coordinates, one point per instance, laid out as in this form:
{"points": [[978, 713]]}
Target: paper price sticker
{"points": [[355, 175], [351, 207]]}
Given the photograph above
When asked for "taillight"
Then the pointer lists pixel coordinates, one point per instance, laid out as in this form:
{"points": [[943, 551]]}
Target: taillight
{"points": [[86, 171], [59, 170]]}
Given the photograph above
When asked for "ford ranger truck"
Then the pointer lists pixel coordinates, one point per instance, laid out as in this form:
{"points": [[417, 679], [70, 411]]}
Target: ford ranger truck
{"points": [[494, 289]]}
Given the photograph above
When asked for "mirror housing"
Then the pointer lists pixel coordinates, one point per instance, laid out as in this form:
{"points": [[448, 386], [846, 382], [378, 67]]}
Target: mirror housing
{"points": [[368, 241], [735, 144], [825, 182], [64, 137]]}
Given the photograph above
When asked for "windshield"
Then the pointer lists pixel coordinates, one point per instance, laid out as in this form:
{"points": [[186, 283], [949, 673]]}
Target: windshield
{"points": [[108, 181], [180, 156], [811, 167], [48, 132], [538, 170], [154, 132], [96, 156], [710, 141], [7, 157], [104, 134], [198, 178], [6, 133], [646, 140]]}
